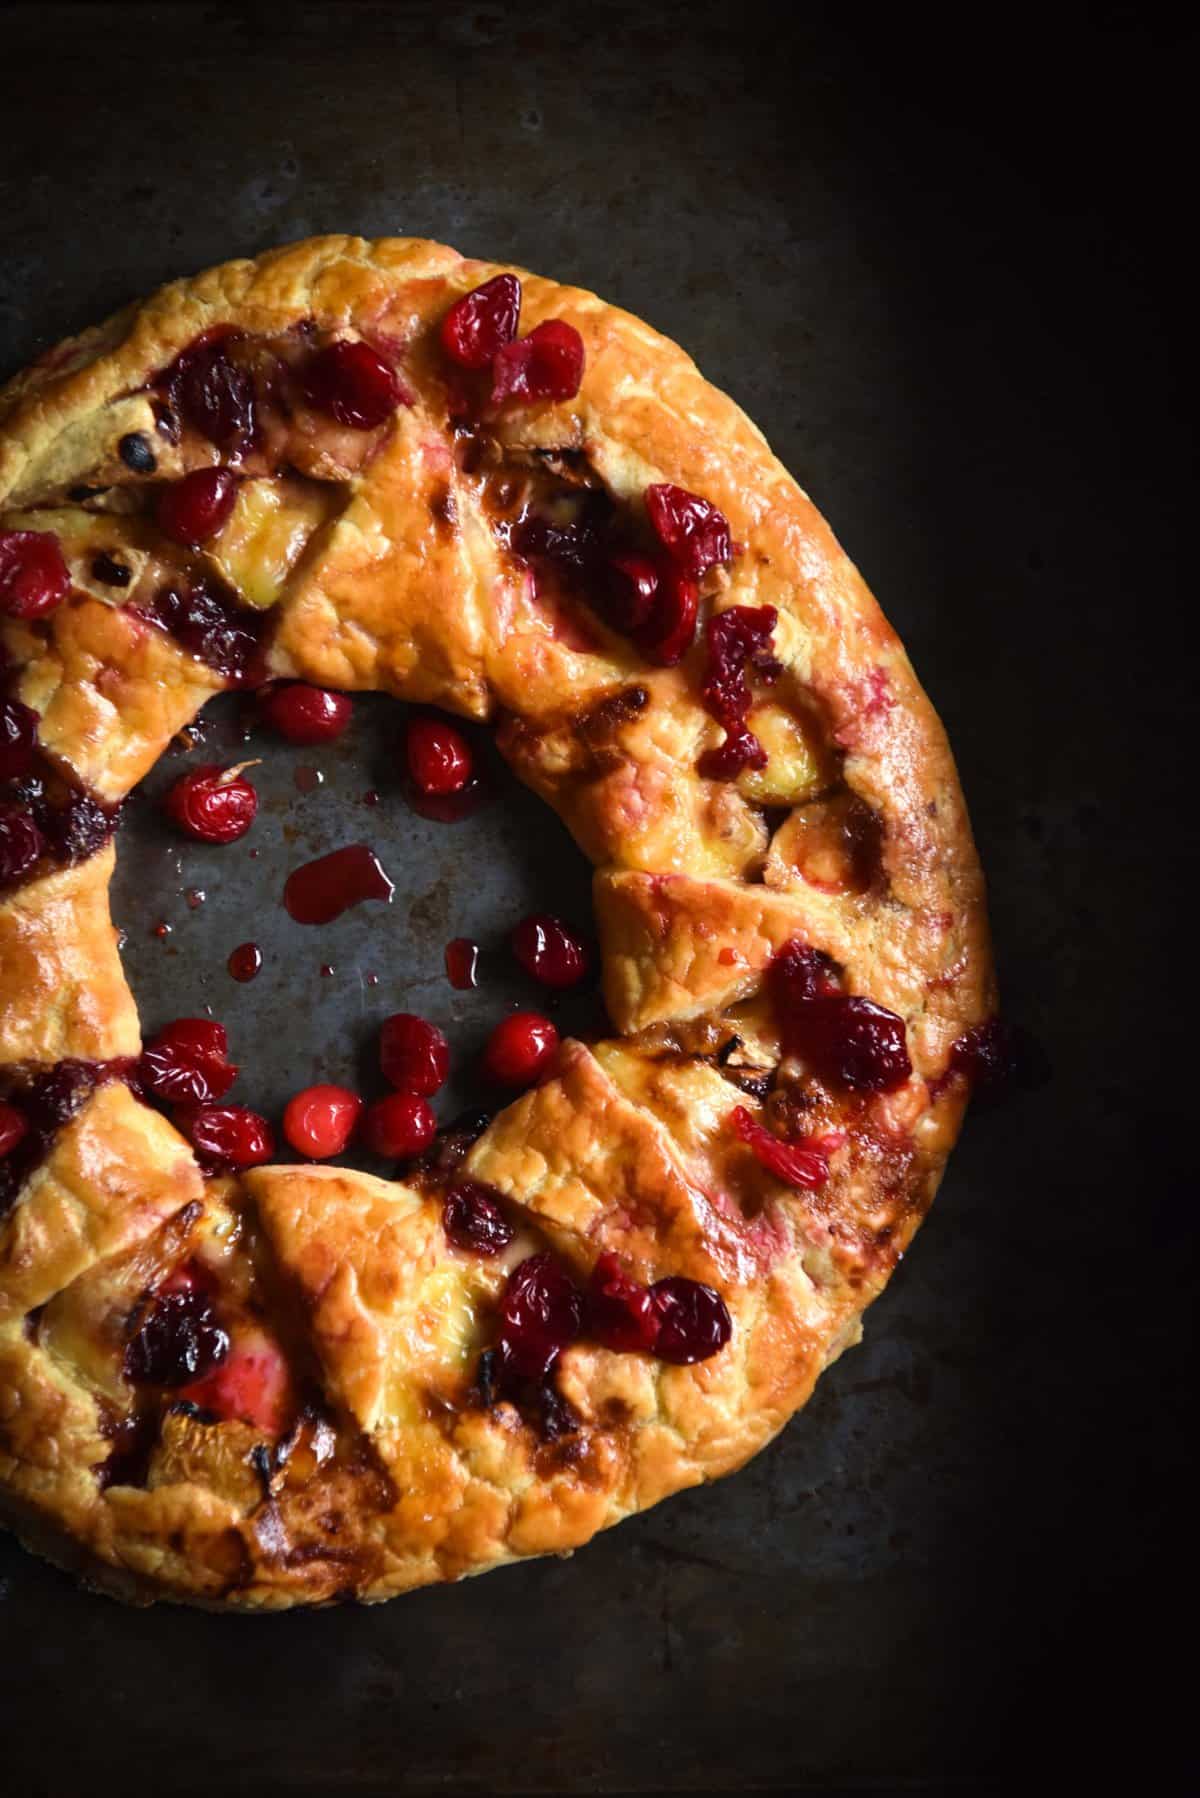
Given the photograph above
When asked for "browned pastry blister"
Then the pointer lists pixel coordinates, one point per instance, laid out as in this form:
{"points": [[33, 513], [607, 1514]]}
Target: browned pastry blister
{"points": [[383, 560]]}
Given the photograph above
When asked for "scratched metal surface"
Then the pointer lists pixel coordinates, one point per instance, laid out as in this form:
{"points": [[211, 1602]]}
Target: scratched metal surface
{"points": [[918, 1583]]}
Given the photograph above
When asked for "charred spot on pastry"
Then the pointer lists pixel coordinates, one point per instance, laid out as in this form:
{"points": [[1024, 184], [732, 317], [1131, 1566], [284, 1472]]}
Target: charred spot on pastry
{"points": [[109, 572], [134, 450], [79, 493], [444, 507], [134, 1438], [601, 723]]}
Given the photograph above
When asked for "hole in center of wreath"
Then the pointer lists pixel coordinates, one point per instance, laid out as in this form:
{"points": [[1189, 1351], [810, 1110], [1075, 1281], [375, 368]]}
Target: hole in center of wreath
{"points": [[206, 932]]}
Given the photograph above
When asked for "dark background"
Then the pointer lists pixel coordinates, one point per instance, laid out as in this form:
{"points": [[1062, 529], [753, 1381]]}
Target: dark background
{"points": [[941, 267]]}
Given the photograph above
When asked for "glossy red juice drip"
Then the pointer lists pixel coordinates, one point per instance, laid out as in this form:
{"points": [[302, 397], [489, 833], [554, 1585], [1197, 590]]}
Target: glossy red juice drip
{"points": [[245, 961], [462, 963], [322, 890]]}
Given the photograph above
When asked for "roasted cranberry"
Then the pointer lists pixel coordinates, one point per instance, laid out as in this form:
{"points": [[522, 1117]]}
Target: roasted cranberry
{"points": [[693, 1321], [482, 322], [401, 1125], [573, 544], [473, 1220], [620, 1312], [546, 949], [353, 384], [134, 450], [439, 756], [251, 1384], [546, 365], [13, 1126], [691, 530], [852, 1042], [213, 804], [177, 1337], [307, 715], [211, 624], [540, 1314], [520, 1048], [18, 738], [630, 587], [737, 636], [33, 575], [78, 827], [228, 1135], [193, 509], [667, 633], [21, 844], [188, 1062], [796, 975], [319, 1121], [213, 394], [998, 1059], [804, 1164], [413, 1054]]}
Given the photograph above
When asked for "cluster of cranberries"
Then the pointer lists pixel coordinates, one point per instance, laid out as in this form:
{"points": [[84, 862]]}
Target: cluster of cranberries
{"points": [[736, 638], [179, 1342], [480, 333]]}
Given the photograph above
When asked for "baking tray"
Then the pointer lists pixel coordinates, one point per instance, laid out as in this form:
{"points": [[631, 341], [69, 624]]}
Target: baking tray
{"points": [[895, 1590]]}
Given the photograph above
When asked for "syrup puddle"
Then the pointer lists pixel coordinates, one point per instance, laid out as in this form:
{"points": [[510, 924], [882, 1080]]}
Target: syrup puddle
{"points": [[322, 890]]}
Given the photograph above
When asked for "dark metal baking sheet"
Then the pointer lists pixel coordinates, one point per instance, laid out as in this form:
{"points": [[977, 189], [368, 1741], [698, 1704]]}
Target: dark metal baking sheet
{"points": [[912, 281]]}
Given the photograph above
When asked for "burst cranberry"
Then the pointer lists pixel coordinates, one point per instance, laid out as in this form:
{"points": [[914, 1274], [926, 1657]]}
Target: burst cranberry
{"points": [[691, 530], [213, 393], [251, 1384], [540, 1314], [21, 844], [188, 1062], [546, 949], [307, 715], [737, 636], [852, 1042], [13, 1127], [998, 1059], [353, 384], [796, 975], [473, 1220], [482, 322], [33, 575], [210, 623], [520, 1048], [319, 1121], [413, 1054], [194, 509], [212, 804], [176, 1339], [401, 1125], [693, 1321], [439, 756], [804, 1164], [76, 828], [630, 589], [667, 633], [18, 738], [228, 1135], [620, 1311], [546, 365]]}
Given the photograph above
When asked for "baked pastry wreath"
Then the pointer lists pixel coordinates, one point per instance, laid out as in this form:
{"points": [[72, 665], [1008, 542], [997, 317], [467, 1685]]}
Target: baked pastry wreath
{"points": [[331, 465]]}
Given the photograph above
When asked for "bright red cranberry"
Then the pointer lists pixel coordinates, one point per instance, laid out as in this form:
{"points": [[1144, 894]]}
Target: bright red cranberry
{"points": [[439, 756], [619, 1311], [693, 1321], [803, 1164], [33, 575], [473, 1220], [691, 530], [212, 393], [18, 738], [413, 1054], [307, 715], [228, 1135], [851, 1042], [546, 365], [630, 589], [320, 1120], [540, 1314], [520, 1048], [737, 636], [399, 1126], [482, 322], [192, 510], [188, 1062], [177, 1337], [998, 1059], [796, 975], [21, 844], [546, 949], [353, 384], [668, 632], [250, 1384], [13, 1126], [212, 804]]}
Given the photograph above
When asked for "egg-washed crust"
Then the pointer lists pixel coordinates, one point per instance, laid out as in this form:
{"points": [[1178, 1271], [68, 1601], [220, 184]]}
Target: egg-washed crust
{"points": [[626, 1145]]}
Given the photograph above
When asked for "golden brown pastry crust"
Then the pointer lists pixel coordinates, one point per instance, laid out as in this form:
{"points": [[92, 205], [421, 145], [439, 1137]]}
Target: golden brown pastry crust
{"points": [[626, 1146]]}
